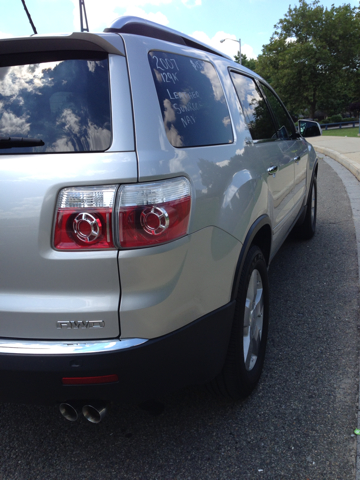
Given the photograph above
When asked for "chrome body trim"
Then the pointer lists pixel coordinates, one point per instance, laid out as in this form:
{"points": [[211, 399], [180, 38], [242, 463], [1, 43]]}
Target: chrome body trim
{"points": [[33, 347]]}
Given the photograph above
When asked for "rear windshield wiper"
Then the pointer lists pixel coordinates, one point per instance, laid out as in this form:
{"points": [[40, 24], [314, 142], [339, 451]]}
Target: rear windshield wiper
{"points": [[19, 142]]}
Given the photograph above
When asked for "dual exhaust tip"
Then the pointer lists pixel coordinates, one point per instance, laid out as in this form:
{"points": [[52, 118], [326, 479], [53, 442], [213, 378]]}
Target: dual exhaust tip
{"points": [[94, 412]]}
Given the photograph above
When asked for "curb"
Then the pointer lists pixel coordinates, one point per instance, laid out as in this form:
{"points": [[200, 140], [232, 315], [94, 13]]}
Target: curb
{"points": [[352, 166], [352, 189]]}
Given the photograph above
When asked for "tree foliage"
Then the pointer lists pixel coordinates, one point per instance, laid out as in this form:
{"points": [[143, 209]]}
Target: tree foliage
{"points": [[313, 57], [247, 62]]}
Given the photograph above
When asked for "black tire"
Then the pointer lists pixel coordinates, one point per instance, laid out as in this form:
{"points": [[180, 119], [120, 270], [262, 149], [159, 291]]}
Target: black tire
{"points": [[307, 229], [242, 371]]}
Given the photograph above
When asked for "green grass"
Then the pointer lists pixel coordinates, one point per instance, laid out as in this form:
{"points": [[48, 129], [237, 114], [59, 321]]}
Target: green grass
{"points": [[342, 132]]}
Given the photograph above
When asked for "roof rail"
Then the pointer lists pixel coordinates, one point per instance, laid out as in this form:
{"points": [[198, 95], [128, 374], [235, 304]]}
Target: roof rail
{"points": [[146, 28]]}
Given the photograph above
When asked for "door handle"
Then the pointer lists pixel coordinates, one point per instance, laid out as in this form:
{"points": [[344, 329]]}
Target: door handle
{"points": [[272, 170], [297, 159]]}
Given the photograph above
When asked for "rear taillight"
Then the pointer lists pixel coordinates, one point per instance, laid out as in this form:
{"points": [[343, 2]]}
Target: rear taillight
{"points": [[145, 214], [153, 213], [84, 218]]}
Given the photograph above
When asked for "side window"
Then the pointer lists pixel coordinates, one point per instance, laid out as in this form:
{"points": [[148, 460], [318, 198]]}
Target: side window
{"points": [[63, 105], [256, 112], [192, 100], [284, 126]]}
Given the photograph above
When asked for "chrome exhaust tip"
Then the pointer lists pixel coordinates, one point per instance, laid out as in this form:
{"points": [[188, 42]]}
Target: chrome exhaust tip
{"points": [[69, 411], [94, 412]]}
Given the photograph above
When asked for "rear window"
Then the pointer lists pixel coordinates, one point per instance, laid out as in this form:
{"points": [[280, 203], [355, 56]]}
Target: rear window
{"points": [[65, 103], [192, 101]]}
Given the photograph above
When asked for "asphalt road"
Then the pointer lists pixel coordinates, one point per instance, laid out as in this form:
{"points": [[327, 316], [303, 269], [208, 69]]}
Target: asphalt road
{"points": [[296, 425]]}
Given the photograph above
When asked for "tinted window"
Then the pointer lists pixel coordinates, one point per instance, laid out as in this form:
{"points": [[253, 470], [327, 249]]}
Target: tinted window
{"points": [[64, 103], [285, 127], [191, 99], [255, 110]]}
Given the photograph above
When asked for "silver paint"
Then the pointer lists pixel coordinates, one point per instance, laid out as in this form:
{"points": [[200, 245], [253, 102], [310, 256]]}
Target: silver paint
{"points": [[169, 286], [163, 287]]}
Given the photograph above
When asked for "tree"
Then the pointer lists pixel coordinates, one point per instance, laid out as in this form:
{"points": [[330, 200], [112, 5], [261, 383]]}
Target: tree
{"points": [[312, 54], [247, 62], [354, 109]]}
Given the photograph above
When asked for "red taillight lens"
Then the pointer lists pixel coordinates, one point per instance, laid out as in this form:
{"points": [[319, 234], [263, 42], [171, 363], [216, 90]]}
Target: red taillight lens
{"points": [[84, 218], [153, 213], [145, 214], [140, 228]]}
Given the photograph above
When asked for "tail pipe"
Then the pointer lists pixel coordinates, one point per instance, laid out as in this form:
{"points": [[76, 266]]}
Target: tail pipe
{"points": [[94, 412], [70, 411]]}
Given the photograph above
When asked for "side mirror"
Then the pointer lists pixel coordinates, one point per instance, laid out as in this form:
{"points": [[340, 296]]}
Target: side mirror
{"points": [[309, 128]]}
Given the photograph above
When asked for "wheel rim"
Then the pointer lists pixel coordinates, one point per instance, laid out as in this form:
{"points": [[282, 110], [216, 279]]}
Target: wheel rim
{"points": [[313, 205], [253, 320]]}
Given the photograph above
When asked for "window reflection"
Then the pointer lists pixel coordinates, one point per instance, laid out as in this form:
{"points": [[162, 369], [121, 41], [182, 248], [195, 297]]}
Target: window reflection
{"points": [[191, 99], [284, 125], [255, 110], [64, 103]]}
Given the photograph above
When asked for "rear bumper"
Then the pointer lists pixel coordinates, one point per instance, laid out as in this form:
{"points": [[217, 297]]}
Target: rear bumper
{"points": [[194, 354]]}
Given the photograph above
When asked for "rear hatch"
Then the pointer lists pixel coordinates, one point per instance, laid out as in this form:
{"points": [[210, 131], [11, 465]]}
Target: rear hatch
{"points": [[59, 130]]}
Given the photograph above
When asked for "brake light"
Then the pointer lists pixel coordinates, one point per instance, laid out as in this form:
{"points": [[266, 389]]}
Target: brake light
{"points": [[145, 214], [153, 213], [84, 218]]}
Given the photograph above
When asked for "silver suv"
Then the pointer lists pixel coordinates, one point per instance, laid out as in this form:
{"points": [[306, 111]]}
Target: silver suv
{"points": [[146, 183]]}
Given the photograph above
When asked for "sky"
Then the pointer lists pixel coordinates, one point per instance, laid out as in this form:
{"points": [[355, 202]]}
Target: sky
{"points": [[210, 21]]}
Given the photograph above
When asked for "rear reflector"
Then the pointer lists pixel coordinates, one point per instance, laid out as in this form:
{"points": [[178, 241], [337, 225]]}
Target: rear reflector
{"points": [[90, 380]]}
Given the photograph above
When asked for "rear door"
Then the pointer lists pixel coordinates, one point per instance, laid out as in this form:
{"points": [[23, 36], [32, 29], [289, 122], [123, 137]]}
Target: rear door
{"points": [[295, 146], [277, 156]]}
